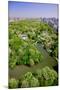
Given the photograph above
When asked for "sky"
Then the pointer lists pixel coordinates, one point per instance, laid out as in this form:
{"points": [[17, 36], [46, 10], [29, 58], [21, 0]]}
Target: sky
{"points": [[31, 10]]}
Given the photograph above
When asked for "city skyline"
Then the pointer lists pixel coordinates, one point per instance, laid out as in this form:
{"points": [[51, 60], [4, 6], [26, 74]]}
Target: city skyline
{"points": [[32, 10]]}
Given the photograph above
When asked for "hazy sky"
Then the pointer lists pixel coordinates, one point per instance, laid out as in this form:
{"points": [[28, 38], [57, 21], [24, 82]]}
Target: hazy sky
{"points": [[32, 10]]}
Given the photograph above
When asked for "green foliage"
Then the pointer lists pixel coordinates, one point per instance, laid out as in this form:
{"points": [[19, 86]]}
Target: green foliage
{"points": [[46, 76], [12, 62], [28, 76], [34, 82], [31, 62], [25, 51], [30, 79], [25, 84], [41, 77], [13, 83]]}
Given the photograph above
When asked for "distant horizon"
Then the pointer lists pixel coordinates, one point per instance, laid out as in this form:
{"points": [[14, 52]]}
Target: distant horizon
{"points": [[30, 17], [32, 10]]}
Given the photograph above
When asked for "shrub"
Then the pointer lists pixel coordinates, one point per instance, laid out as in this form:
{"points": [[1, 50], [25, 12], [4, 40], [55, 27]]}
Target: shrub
{"points": [[13, 83]]}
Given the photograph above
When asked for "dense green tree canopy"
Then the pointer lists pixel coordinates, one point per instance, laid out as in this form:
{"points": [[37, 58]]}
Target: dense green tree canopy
{"points": [[24, 37], [46, 76], [34, 31]]}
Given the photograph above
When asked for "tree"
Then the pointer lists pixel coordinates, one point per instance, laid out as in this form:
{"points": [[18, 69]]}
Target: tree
{"points": [[46, 76], [13, 83], [30, 80], [28, 76], [34, 82], [12, 62], [25, 84], [31, 62]]}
